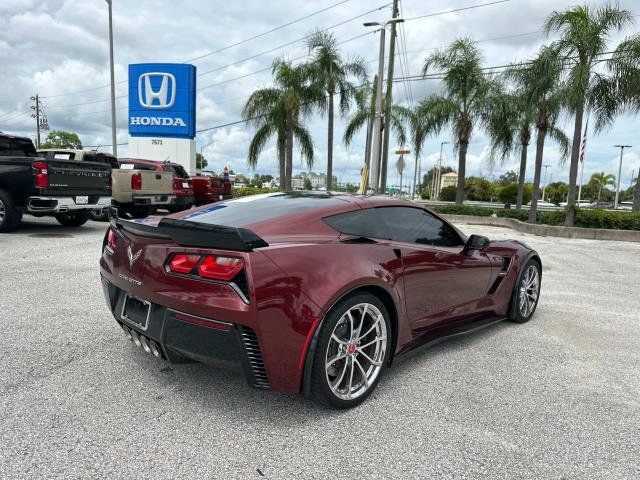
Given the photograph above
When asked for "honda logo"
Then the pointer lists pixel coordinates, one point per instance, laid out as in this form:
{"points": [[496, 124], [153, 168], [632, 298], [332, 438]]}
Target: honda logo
{"points": [[163, 97]]}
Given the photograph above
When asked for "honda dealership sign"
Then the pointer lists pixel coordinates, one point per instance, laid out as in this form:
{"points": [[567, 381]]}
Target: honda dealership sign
{"points": [[162, 100]]}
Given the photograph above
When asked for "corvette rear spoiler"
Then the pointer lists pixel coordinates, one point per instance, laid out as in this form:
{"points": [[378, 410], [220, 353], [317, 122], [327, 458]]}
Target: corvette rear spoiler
{"points": [[191, 234]]}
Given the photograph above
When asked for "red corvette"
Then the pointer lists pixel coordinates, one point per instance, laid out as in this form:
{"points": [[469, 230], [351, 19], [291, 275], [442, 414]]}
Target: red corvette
{"points": [[313, 293]]}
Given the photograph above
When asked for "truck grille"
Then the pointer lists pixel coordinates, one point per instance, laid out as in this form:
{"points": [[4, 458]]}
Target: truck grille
{"points": [[254, 356]]}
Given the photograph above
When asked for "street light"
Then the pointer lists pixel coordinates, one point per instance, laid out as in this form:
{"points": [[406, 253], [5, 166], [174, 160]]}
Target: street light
{"points": [[435, 184], [113, 86], [544, 187], [621, 147], [374, 172]]}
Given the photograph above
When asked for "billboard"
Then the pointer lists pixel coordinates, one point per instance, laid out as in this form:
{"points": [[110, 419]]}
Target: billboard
{"points": [[162, 100]]}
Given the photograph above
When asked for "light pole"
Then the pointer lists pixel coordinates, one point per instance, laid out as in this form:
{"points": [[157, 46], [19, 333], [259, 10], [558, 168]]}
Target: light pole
{"points": [[374, 171], [621, 147], [114, 142], [544, 187], [435, 185]]}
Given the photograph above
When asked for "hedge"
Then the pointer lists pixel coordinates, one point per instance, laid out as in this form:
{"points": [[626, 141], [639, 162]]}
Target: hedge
{"points": [[246, 191], [585, 218]]}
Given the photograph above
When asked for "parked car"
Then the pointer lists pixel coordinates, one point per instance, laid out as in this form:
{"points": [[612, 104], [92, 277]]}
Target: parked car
{"points": [[64, 189], [98, 214], [138, 190], [542, 203], [262, 280], [182, 187], [209, 189]]}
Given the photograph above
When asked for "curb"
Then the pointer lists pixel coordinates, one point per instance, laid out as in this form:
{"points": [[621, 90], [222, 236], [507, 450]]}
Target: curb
{"points": [[548, 230]]}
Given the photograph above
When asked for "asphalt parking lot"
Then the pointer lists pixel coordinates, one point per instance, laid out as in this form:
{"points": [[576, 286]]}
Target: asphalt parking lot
{"points": [[558, 397]]}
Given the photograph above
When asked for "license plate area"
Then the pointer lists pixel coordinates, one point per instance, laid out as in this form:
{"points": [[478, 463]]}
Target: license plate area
{"points": [[82, 200], [136, 311]]}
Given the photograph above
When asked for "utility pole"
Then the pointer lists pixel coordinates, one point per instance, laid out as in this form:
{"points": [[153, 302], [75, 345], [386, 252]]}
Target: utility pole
{"points": [[114, 141], [636, 194], [435, 189], [367, 146], [36, 115], [388, 100], [621, 147], [544, 187]]}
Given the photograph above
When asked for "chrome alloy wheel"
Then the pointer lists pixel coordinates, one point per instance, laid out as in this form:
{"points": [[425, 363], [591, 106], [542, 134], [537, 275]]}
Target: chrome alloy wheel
{"points": [[3, 212], [529, 291], [356, 351]]}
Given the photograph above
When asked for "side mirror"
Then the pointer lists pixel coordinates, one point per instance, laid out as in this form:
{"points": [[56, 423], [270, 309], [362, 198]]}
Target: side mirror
{"points": [[476, 242]]}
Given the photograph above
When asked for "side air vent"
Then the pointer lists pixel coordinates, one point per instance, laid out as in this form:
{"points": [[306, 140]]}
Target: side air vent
{"points": [[506, 261], [254, 356]]}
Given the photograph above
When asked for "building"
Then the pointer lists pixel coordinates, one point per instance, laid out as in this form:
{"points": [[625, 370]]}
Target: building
{"points": [[447, 180]]}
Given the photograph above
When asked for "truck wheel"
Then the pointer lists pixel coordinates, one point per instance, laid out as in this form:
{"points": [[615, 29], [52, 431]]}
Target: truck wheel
{"points": [[73, 219], [99, 215], [140, 211], [10, 216]]}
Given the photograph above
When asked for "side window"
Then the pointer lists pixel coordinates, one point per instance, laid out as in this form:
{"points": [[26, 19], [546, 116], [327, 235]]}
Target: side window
{"points": [[359, 223], [415, 225]]}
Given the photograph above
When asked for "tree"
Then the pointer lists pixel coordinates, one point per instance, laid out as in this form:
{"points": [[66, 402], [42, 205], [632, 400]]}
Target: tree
{"points": [[557, 192], [478, 189], [331, 73], [280, 111], [464, 102], [307, 184], [540, 81], [62, 139], [584, 34], [427, 178], [366, 100], [509, 193], [507, 178], [448, 194], [602, 180], [201, 162]]}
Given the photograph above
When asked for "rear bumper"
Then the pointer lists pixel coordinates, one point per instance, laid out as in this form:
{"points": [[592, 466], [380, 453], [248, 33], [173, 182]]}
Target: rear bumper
{"points": [[153, 199], [181, 337], [182, 201], [65, 204]]}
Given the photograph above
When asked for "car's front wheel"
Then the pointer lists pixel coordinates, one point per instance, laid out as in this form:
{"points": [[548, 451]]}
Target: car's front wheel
{"points": [[351, 351], [526, 292]]}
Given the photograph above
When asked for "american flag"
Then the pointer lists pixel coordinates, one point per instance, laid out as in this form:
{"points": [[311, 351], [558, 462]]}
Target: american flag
{"points": [[583, 145]]}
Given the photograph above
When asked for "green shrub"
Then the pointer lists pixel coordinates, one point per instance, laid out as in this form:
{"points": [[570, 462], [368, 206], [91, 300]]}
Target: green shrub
{"points": [[596, 218], [508, 193], [462, 210], [448, 194], [246, 191]]}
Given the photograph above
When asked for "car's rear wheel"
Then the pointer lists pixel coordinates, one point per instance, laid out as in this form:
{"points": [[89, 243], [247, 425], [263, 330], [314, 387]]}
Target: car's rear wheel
{"points": [[73, 219], [10, 216], [526, 292], [351, 352]]}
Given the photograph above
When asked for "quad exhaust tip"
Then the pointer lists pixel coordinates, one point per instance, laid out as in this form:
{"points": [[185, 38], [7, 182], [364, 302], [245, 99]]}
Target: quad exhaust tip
{"points": [[149, 346]]}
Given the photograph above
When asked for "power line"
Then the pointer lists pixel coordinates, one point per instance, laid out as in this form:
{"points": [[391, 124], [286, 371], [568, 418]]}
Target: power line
{"points": [[453, 10]]}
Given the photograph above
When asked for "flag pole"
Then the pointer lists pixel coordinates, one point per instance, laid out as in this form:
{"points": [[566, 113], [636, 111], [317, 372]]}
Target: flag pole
{"points": [[582, 149]]}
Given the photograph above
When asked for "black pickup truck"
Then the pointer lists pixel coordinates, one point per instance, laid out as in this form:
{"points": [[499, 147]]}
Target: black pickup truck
{"points": [[65, 189]]}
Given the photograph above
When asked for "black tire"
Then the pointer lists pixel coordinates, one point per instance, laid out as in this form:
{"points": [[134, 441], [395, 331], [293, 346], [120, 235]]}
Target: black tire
{"points": [[73, 219], [139, 211], [10, 216], [519, 313], [321, 389]]}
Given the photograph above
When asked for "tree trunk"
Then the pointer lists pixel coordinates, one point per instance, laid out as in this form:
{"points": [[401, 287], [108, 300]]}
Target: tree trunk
{"points": [[415, 176], [462, 162], [330, 145], [521, 174], [636, 194], [542, 134], [289, 162], [282, 160], [573, 169]]}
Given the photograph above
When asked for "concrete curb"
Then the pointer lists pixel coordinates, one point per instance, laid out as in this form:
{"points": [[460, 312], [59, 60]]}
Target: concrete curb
{"points": [[548, 230]]}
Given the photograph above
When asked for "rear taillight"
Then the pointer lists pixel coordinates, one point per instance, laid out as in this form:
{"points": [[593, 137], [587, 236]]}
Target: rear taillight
{"points": [[183, 263], [111, 240], [220, 268], [42, 174], [208, 266], [136, 181]]}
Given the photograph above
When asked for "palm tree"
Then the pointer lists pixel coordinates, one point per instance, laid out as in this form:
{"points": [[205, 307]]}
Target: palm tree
{"points": [[464, 102], [418, 134], [332, 73], [509, 126], [366, 100], [584, 34], [280, 111], [602, 180]]}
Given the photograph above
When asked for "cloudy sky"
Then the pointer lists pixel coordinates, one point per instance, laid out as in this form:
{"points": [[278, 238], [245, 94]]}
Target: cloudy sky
{"points": [[59, 49]]}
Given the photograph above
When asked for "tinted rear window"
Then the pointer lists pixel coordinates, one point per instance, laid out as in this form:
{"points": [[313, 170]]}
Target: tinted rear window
{"points": [[361, 223], [258, 208], [16, 147], [177, 170]]}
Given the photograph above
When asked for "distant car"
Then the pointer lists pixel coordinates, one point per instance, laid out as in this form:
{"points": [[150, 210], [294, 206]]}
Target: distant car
{"points": [[581, 203], [542, 203], [209, 189], [625, 206], [183, 198], [311, 292]]}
